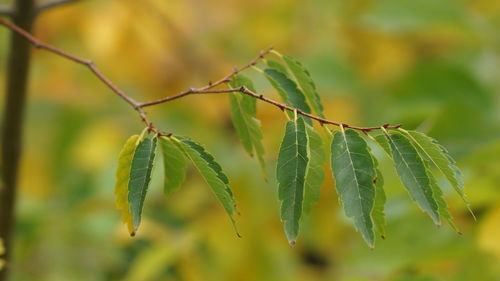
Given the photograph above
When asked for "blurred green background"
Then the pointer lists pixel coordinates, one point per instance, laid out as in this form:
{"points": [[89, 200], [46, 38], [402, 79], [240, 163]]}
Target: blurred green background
{"points": [[432, 65]]}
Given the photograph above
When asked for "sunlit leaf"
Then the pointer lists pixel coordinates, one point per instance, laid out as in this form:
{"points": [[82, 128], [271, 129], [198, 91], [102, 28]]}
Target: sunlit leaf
{"points": [[278, 66], [354, 172], [288, 90], [122, 179], [306, 83], [291, 172], [140, 176], [438, 155], [174, 164], [314, 173], [413, 173], [211, 172]]}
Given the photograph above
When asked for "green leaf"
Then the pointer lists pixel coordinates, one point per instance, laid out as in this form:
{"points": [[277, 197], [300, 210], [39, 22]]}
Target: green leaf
{"points": [[354, 172], [122, 179], [140, 175], [306, 83], [291, 172], [378, 214], [248, 103], [314, 173], [278, 66], [174, 163], [438, 196], [413, 173], [382, 141], [438, 155], [241, 122], [212, 173], [248, 130], [288, 91]]}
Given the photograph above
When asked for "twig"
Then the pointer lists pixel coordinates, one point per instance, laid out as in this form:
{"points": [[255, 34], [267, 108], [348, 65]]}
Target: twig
{"points": [[208, 89], [280, 105], [210, 85], [44, 6]]}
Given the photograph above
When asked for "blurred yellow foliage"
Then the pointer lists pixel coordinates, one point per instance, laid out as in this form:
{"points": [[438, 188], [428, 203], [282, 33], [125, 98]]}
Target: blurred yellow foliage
{"points": [[489, 232]]}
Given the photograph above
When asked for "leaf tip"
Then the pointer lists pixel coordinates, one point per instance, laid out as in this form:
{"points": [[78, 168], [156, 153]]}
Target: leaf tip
{"points": [[471, 212], [292, 243], [132, 234]]}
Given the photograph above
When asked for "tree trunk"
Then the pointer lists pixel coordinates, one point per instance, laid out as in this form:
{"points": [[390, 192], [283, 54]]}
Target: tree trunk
{"points": [[15, 98]]}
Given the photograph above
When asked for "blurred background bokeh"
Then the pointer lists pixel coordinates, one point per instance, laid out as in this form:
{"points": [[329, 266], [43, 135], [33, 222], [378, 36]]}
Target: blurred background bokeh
{"points": [[431, 65]]}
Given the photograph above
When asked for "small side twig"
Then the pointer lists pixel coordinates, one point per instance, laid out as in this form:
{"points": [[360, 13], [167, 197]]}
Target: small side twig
{"points": [[210, 85], [208, 89]]}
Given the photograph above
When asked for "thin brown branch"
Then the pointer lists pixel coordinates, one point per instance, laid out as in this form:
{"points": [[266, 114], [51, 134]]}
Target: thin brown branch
{"points": [[208, 89], [210, 85], [280, 105], [322, 121]]}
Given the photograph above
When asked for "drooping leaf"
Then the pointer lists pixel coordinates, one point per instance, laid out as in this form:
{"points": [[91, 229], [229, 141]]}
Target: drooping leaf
{"points": [[291, 172], [174, 164], [248, 130], [378, 213], [354, 172], [278, 66], [140, 176], [306, 83], [382, 141], [241, 122], [314, 173], [248, 103], [412, 172], [211, 172], [438, 155], [122, 179], [288, 91], [441, 203]]}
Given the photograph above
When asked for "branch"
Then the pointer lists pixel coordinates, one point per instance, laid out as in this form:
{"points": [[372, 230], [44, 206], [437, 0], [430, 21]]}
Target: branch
{"points": [[6, 10], [210, 85], [208, 89], [53, 4]]}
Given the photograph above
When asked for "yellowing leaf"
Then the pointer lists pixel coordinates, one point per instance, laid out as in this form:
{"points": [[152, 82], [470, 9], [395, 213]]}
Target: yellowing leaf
{"points": [[122, 179]]}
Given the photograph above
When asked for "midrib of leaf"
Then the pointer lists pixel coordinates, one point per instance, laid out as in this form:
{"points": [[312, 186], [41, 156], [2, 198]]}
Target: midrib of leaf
{"points": [[212, 174], [314, 171], [291, 219], [354, 172], [143, 179], [454, 181], [434, 216], [122, 179], [358, 191], [249, 146]]}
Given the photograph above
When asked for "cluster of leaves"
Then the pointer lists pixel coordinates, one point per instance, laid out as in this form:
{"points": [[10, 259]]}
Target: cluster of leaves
{"points": [[301, 158]]}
